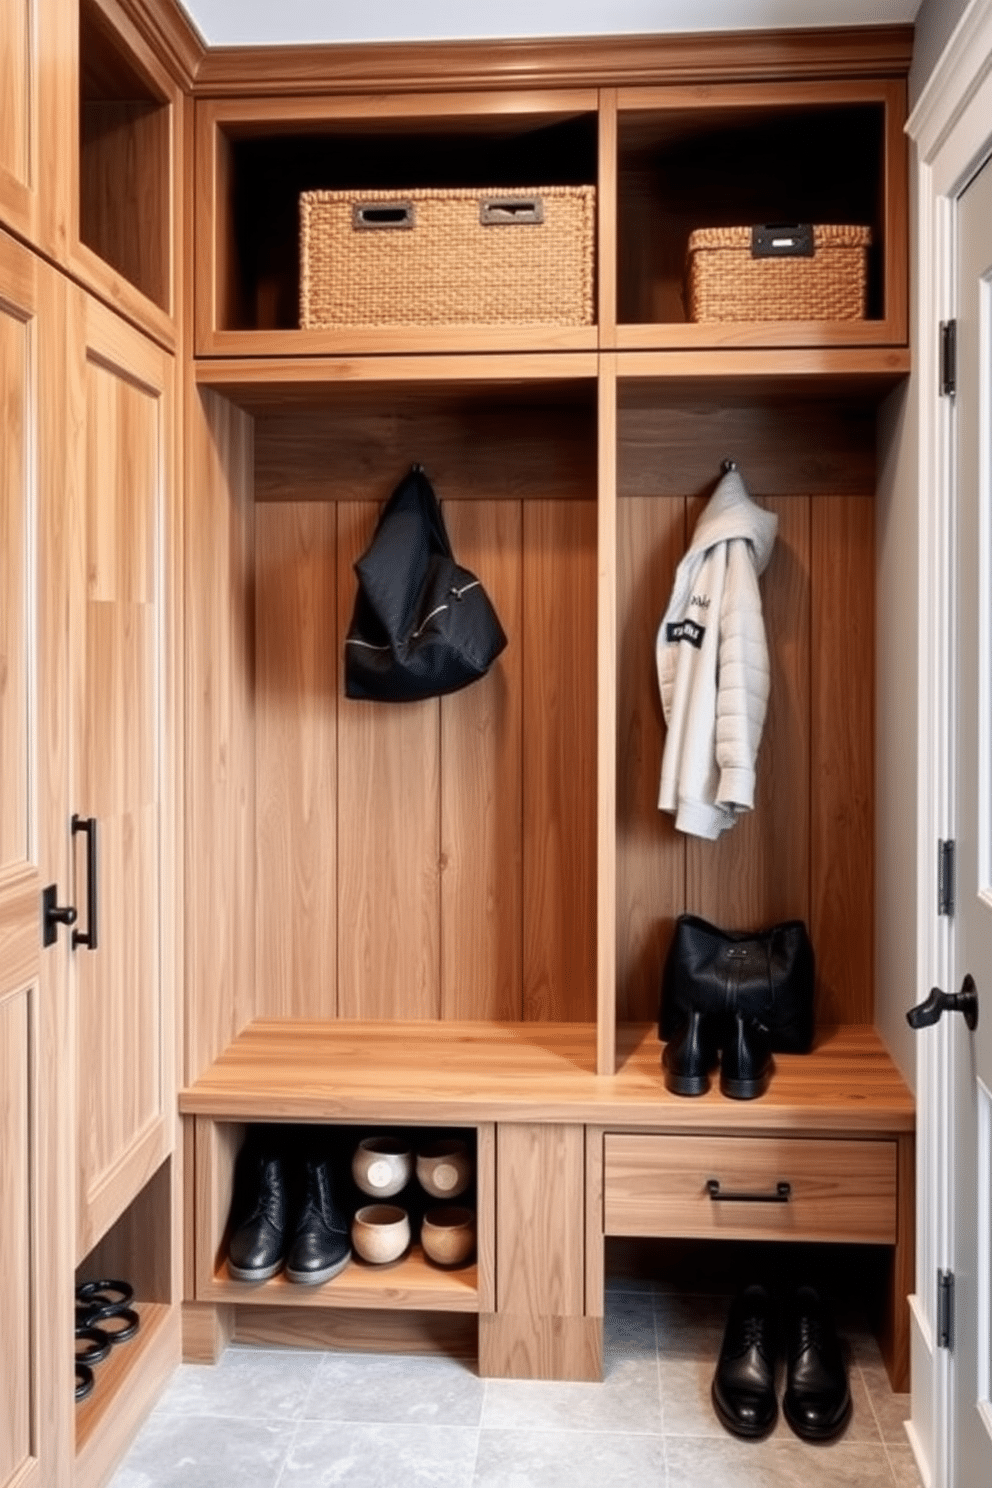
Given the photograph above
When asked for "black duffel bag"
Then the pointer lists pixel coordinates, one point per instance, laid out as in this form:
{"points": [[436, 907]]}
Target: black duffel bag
{"points": [[422, 625], [767, 975]]}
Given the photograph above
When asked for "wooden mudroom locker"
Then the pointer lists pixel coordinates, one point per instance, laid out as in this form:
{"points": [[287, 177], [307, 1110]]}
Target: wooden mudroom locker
{"points": [[230, 895]]}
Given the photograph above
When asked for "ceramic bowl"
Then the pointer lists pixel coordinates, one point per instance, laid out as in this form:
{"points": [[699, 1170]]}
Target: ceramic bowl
{"points": [[448, 1235], [382, 1166], [444, 1169], [380, 1233]]}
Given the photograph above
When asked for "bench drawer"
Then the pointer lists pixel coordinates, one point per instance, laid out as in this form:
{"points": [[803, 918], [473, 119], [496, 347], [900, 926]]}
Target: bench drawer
{"points": [[773, 1188]]}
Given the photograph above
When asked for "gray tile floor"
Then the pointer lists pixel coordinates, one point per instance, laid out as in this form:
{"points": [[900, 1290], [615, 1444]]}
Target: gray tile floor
{"points": [[299, 1419]]}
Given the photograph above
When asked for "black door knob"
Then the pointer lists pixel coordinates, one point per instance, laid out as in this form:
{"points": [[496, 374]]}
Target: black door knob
{"points": [[965, 1001]]}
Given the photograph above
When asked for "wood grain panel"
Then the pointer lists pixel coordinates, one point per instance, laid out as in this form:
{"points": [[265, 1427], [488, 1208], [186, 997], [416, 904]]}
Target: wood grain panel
{"points": [[482, 787], [124, 190], [650, 853], [606, 726], [120, 687], [559, 622], [220, 761], [16, 503], [18, 1365], [458, 1072], [539, 1330], [785, 445], [388, 832], [540, 1220], [451, 1334], [842, 666], [296, 710], [358, 449], [839, 1190], [16, 77], [758, 872]]}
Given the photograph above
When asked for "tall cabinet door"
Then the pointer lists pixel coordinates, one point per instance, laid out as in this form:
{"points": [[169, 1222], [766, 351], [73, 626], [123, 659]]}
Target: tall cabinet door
{"points": [[122, 650], [35, 1286], [38, 101]]}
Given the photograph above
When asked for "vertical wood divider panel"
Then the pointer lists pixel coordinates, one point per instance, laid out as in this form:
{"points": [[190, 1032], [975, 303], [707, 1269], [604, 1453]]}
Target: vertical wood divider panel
{"points": [[842, 667], [606, 719], [296, 758], [389, 807], [896, 209], [485, 1218], [595, 1225], [650, 853], [758, 871], [481, 787], [607, 208], [539, 1329], [559, 622], [220, 770]]}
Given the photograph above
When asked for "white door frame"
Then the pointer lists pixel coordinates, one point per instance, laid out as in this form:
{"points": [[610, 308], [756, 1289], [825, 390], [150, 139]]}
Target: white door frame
{"points": [[951, 126]]}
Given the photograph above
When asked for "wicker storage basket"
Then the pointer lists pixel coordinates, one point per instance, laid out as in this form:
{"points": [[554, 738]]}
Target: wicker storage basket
{"points": [[442, 257], [814, 273]]}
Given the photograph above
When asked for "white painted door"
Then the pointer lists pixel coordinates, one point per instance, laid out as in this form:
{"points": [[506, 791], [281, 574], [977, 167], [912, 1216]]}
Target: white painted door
{"points": [[971, 1061]]}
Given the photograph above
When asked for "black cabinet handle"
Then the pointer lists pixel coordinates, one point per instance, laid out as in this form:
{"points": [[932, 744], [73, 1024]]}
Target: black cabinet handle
{"points": [[782, 1194], [88, 937]]}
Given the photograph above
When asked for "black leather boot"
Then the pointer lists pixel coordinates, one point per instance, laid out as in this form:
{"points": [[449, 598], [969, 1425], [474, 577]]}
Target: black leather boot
{"points": [[817, 1399], [744, 1383], [746, 1060], [258, 1244], [690, 1055], [320, 1247]]}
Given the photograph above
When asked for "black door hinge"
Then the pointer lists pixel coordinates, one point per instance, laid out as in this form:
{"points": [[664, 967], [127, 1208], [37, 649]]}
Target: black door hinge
{"points": [[948, 358], [945, 877], [945, 1309]]}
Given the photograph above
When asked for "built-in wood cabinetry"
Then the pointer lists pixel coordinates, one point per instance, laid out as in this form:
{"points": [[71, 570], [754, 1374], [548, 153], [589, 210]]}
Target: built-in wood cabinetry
{"points": [[89, 730], [452, 913], [492, 865], [35, 1166]]}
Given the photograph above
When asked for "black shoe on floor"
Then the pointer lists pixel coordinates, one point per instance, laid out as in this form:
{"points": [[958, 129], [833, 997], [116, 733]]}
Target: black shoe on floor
{"points": [[258, 1244], [817, 1399], [321, 1246], [690, 1055], [744, 1384], [746, 1060]]}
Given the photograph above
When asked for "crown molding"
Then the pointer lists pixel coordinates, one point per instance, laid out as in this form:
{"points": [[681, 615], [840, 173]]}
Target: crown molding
{"points": [[606, 61], [171, 34]]}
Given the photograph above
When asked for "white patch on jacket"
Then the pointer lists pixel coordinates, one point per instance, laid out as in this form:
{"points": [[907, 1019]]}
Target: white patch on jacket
{"points": [[713, 668]]}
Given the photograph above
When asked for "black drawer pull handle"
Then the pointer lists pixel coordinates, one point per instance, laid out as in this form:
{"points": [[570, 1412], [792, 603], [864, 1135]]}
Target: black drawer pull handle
{"points": [[88, 937], [782, 1194]]}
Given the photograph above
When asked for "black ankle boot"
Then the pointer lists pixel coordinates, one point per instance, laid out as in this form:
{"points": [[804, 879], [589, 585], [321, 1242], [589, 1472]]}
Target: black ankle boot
{"points": [[320, 1247], [690, 1055], [817, 1399], [744, 1383], [746, 1059], [258, 1244]]}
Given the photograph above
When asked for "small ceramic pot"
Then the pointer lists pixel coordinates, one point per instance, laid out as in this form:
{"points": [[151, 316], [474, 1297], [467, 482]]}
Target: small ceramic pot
{"points": [[381, 1233], [448, 1235], [444, 1169], [382, 1166]]}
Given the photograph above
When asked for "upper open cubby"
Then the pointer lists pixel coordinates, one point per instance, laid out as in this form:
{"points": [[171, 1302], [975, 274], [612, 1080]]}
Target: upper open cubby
{"points": [[255, 160], [742, 155], [124, 160]]}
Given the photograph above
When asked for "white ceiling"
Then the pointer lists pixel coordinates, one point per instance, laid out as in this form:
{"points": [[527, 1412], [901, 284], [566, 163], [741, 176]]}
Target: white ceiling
{"points": [[273, 22]]}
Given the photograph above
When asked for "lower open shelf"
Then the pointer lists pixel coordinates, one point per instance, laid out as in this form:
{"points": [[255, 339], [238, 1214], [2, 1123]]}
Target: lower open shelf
{"points": [[411, 1283], [119, 1371]]}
